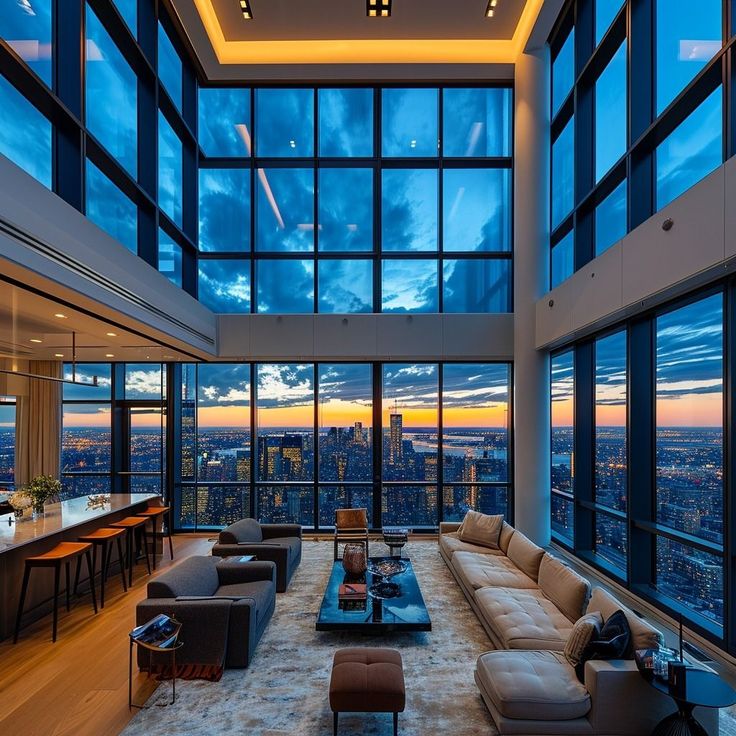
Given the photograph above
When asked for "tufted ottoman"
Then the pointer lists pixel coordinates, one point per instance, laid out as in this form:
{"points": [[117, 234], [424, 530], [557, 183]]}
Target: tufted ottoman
{"points": [[367, 680]]}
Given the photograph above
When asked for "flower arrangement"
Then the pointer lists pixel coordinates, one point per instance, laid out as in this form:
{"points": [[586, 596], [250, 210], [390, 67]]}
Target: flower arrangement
{"points": [[41, 489], [20, 501]]}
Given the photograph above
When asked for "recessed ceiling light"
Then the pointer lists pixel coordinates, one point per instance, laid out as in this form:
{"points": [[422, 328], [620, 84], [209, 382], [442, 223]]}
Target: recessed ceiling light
{"points": [[58, 355], [59, 315], [35, 339], [378, 8], [413, 144], [245, 10], [109, 355], [491, 8], [292, 144], [112, 334]]}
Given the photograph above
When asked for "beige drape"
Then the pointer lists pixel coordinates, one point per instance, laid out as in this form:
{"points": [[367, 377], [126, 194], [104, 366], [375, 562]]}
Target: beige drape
{"points": [[38, 424]]}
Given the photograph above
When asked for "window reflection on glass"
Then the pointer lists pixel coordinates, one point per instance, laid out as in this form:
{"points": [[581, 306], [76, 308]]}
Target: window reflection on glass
{"points": [[169, 258], [25, 134], [563, 260], [224, 285], [86, 373], [409, 209], [129, 10], [224, 209], [7, 439], [562, 443], [345, 122], [610, 219], [110, 209], [345, 209], [169, 170], [345, 286], [224, 122], [610, 113], [85, 438], [477, 122], [219, 506], [145, 381], [611, 540], [26, 26], [476, 209], [409, 122], [409, 286], [476, 285], [563, 72], [285, 209], [169, 66], [286, 504], [111, 90], [336, 497], [605, 12], [285, 286], [563, 174], [692, 150], [285, 122]]}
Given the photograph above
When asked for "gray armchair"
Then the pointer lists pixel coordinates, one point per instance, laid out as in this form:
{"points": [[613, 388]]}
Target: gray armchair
{"points": [[224, 608], [279, 543]]}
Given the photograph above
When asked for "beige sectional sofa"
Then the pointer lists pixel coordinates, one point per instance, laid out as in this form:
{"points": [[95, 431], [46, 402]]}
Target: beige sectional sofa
{"points": [[528, 602]]}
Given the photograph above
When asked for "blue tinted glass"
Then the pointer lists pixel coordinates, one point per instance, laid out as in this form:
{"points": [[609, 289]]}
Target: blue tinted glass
{"points": [[345, 122], [224, 209], [476, 122], [169, 258], [224, 122], [285, 287], [169, 66], [409, 122], [477, 286], [610, 114], [409, 209], [110, 209], [605, 12], [345, 209], [691, 151], [610, 219], [563, 260], [26, 27], [169, 170], [476, 209], [563, 174], [129, 10], [345, 286], [224, 285], [111, 90], [25, 134], [685, 41], [611, 540], [563, 72], [285, 209], [86, 373], [285, 122], [409, 286]]}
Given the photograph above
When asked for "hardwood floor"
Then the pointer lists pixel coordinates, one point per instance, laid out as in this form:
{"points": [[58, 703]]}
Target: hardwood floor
{"points": [[79, 685]]}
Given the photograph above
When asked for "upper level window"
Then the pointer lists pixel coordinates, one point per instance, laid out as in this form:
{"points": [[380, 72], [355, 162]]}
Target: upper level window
{"points": [[610, 219], [169, 258], [170, 153], [409, 122], [285, 210], [345, 122], [563, 174], [477, 122], [345, 286], [605, 12], [110, 209], [7, 439], [563, 72], [129, 10], [27, 28], [285, 286], [224, 285], [285, 122], [224, 122], [610, 114], [169, 67], [409, 285], [409, 209], [224, 210], [563, 260], [476, 285], [345, 214]]}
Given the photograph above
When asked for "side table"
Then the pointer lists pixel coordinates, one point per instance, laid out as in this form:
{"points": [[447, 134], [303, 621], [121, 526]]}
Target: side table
{"points": [[395, 538]]}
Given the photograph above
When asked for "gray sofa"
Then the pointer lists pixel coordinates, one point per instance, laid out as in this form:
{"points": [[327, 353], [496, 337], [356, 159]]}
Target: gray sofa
{"points": [[279, 543], [224, 608]]}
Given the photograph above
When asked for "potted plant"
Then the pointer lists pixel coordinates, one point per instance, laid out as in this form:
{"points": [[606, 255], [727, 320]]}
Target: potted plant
{"points": [[41, 489], [21, 502]]}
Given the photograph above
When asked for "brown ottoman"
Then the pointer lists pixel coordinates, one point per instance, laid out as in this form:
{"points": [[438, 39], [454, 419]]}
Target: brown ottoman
{"points": [[366, 680]]}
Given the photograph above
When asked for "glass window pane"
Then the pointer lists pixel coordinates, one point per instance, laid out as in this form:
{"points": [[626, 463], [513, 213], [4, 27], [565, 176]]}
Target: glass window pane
{"points": [[562, 521], [345, 423], [611, 456], [7, 440], [563, 260], [110, 209], [27, 29], [170, 155], [87, 373], [25, 134], [188, 424], [345, 122], [285, 286], [144, 381], [285, 210], [562, 443], [409, 286], [605, 12], [345, 286], [690, 418], [146, 442], [76, 486], [685, 42], [409, 421], [563, 72], [169, 258], [477, 122], [85, 438], [224, 121], [332, 498], [219, 506], [285, 416], [345, 209], [169, 67], [458, 500], [409, 506], [111, 90], [476, 285], [409, 204], [611, 540], [563, 174], [691, 151], [409, 122], [224, 210], [224, 285], [129, 10], [285, 122], [610, 113], [610, 219], [476, 209], [285, 505]]}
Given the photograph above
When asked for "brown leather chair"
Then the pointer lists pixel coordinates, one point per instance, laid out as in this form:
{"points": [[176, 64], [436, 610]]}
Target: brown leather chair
{"points": [[351, 526]]}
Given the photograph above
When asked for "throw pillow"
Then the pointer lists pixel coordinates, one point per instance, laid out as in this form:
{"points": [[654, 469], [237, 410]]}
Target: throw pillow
{"points": [[481, 529], [612, 642], [586, 629]]}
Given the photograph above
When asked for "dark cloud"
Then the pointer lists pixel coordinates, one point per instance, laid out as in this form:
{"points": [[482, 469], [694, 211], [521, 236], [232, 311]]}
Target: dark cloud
{"points": [[285, 286], [224, 285], [409, 209], [224, 210], [345, 210], [477, 286], [283, 116], [345, 286], [220, 111], [346, 122], [286, 222]]}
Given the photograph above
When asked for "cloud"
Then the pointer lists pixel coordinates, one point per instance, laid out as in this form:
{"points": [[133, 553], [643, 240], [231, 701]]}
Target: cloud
{"points": [[285, 385]]}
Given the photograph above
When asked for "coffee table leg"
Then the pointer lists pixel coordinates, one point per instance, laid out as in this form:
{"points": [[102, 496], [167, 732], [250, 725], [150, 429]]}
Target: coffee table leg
{"points": [[681, 723]]}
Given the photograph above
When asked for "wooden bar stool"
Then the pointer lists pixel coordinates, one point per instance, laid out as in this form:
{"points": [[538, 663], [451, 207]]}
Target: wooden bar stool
{"points": [[103, 538], [154, 513], [133, 524], [64, 552]]}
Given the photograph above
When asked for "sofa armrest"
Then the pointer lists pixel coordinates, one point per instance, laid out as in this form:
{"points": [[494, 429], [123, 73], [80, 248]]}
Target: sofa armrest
{"points": [[281, 530], [449, 526], [232, 573]]}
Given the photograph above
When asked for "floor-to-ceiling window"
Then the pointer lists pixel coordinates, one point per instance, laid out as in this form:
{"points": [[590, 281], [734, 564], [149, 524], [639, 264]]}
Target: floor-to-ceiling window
{"points": [[7, 441], [562, 444]]}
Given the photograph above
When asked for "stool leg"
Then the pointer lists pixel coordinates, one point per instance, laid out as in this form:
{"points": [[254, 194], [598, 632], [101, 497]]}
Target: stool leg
{"points": [[67, 565], [396, 724], [91, 571], [144, 535], [168, 532], [154, 534], [334, 723], [21, 602], [103, 571], [121, 560], [76, 575], [57, 574], [129, 555]]}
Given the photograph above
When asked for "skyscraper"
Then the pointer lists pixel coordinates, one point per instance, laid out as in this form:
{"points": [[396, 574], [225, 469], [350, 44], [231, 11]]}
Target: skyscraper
{"points": [[396, 444]]}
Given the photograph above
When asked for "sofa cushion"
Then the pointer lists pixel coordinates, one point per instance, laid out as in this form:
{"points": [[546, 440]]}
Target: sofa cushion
{"points": [[481, 571], [525, 554], [536, 685], [451, 543], [504, 538], [643, 634], [245, 530], [262, 592], [586, 628], [195, 576], [481, 529], [523, 619], [292, 543], [563, 586]]}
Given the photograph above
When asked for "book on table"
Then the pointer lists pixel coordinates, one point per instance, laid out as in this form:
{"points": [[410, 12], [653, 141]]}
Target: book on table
{"points": [[352, 591]]}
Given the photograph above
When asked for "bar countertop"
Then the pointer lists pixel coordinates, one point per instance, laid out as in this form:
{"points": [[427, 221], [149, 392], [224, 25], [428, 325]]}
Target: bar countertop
{"points": [[59, 517]]}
